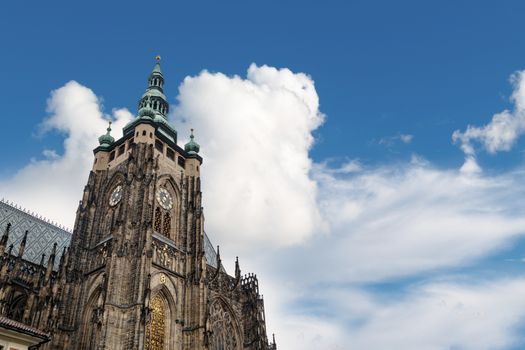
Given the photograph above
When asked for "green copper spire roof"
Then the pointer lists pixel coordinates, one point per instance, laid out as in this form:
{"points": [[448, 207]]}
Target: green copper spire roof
{"points": [[192, 147], [156, 69], [106, 140], [153, 106], [154, 96]]}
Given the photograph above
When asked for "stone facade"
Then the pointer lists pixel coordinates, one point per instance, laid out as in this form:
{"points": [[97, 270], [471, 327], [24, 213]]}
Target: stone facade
{"points": [[139, 272]]}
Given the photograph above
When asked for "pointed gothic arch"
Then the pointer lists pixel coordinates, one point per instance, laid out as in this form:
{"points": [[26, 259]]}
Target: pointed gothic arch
{"points": [[162, 331], [167, 222], [156, 327], [118, 177], [17, 306], [91, 321], [223, 327]]}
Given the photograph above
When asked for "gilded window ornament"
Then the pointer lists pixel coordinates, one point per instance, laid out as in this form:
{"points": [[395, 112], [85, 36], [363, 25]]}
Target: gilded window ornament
{"points": [[156, 329], [166, 225], [158, 220]]}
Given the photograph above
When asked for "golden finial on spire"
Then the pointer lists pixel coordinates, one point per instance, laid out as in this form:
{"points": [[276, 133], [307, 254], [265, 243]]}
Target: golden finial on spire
{"points": [[157, 58]]}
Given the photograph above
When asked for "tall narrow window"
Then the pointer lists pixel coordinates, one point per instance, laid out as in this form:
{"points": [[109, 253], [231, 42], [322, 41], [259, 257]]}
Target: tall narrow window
{"points": [[17, 307], [156, 329], [121, 150], [158, 220], [181, 162], [159, 146], [170, 153], [166, 227]]}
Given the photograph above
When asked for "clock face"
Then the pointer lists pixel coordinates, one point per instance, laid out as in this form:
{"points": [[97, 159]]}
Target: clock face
{"points": [[116, 195], [164, 198]]}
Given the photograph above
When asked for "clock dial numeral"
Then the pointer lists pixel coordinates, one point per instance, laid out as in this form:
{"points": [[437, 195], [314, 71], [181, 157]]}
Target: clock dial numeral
{"points": [[116, 195], [164, 199]]}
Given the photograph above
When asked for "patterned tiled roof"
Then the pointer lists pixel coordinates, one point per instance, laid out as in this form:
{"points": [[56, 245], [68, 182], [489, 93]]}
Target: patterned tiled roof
{"points": [[22, 328], [42, 234]]}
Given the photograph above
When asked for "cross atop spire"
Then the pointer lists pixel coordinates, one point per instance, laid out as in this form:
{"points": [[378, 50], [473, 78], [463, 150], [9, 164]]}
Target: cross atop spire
{"points": [[106, 140], [156, 69]]}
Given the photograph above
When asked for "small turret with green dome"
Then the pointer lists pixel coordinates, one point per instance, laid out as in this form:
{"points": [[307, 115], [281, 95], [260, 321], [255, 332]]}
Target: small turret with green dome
{"points": [[192, 147], [106, 140]]}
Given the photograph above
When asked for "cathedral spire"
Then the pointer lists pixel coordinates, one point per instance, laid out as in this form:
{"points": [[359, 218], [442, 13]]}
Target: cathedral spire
{"points": [[154, 97], [5, 236], [3, 241], [22, 247]]}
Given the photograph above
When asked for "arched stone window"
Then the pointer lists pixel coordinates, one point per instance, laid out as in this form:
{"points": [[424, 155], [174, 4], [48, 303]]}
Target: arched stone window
{"points": [[222, 327], [156, 328], [108, 222], [91, 322], [166, 227], [17, 307], [158, 220]]}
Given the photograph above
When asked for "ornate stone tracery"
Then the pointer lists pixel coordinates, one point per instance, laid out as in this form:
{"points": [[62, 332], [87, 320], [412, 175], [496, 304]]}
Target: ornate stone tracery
{"points": [[223, 332]]}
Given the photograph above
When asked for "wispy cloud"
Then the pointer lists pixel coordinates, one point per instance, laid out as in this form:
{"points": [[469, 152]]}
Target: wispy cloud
{"points": [[390, 141]]}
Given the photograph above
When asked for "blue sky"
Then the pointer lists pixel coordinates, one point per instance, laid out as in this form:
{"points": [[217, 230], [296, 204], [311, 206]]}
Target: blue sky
{"points": [[387, 221], [380, 68]]}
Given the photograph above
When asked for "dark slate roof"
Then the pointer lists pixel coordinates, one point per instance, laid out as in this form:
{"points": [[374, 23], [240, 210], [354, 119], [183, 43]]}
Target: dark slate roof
{"points": [[8, 323], [42, 233], [209, 252]]}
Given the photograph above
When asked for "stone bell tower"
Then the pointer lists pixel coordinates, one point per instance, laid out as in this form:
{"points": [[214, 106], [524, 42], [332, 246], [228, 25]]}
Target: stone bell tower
{"points": [[136, 267]]}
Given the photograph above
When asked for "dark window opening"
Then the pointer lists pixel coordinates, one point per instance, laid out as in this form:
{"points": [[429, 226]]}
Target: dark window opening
{"points": [[16, 308], [166, 227], [150, 135], [159, 145], [143, 132], [158, 220], [170, 153], [121, 150], [137, 133], [181, 161], [112, 156]]}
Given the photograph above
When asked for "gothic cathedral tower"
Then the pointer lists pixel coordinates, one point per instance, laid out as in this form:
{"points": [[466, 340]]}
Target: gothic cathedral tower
{"points": [[140, 272]]}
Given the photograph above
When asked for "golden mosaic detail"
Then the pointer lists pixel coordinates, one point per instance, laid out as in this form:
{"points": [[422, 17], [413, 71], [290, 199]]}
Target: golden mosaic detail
{"points": [[155, 332]]}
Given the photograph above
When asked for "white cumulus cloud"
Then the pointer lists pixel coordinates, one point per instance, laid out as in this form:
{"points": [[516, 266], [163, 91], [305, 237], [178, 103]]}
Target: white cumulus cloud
{"points": [[504, 128], [53, 186], [256, 133]]}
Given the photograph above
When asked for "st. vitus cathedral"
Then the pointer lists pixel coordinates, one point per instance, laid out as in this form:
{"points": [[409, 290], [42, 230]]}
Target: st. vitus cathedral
{"points": [[138, 271]]}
